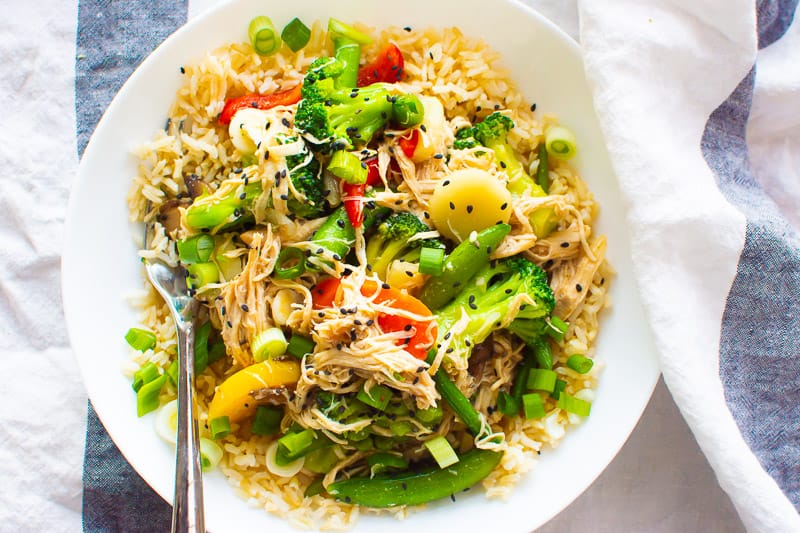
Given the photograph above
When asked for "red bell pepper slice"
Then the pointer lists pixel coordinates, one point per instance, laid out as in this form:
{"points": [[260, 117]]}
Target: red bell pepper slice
{"points": [[387, 67], [259, 101], [409, 143], [354, 194], [324, 295]]}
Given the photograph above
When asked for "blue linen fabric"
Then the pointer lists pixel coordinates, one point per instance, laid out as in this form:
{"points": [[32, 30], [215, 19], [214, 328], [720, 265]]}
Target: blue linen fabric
{"points": [[760, 338], [113, 37]]}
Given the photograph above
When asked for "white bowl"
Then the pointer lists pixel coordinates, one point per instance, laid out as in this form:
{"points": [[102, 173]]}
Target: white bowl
{"points": [[100, 263]]}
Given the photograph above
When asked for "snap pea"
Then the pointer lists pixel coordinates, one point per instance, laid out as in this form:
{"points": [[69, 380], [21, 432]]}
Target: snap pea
{"points": [[418, 488], [463, 262], [336, 234], [455, 398]]}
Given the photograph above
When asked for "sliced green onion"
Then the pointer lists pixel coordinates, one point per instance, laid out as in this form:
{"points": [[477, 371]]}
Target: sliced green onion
{"points": [[216, 352], [267, 420], [347, 166], [574, 405], [558, 389], [337, 27], [542, 379], [147, 396], [263, 36], [172, 373], [147, 373], [557, 328], [507, 404], [316, 487], [385, 462], [401, 428], [441, 450], [295, 445], [268, 344], [560, 142], [321, 461], [296, 34], [299, 346], [431, 261], [281, 467], [201, 274], [542, 354], [364, 445], [141, 339], [430, 415], [291, 263], [579, 363], [166, 422], [543, 170], [532, 405], [197, 249], [210, 453], [219, 427], [407, 110], [201, 347], [378, 396]]}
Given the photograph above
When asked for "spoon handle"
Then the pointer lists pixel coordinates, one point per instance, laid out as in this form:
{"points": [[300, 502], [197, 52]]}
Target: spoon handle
{"points": [[187, 512]]}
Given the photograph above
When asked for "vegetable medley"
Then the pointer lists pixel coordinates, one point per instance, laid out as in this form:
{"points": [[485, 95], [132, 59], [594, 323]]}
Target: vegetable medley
{"points": [[372, 300]]}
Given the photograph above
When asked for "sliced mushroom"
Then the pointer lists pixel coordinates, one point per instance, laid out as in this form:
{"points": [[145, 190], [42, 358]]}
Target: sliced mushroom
{"points": [[195, 186], [169, 215], [272, 395], [481, 353]]}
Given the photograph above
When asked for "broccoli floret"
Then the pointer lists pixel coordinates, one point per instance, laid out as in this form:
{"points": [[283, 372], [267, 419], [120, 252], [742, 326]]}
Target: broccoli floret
{"points": [[391, 241], [307, 181], [465, 139], [491, 297], [339, 118]]}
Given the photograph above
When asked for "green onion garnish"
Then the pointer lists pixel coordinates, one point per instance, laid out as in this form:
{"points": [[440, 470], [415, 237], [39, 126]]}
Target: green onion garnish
{"points": [[197, 249], [384, 462], [315, 487], [172, 373], [401, 428], [216, 352], [147, 373], [291, 263], [263, 36], [267, 420], [542, 379], [201, 274], [322, 460], [506, 404], [560, 142], [219, 427], [430, 415], [294, 445], [407, 110], [556, 328], [532, 405], [338, 28], [210, 453], [201, 347], [558, 389], [147, 396], [431, 261], [299, 346], [574, 405], [296, 34], [377, 397], [347, 166], [268, 344], [579, 363], [441, 451], [141, 339], [543, 170]]}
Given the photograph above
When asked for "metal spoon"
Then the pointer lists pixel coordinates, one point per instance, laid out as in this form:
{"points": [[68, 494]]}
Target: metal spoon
{"points": [[187, 509]]}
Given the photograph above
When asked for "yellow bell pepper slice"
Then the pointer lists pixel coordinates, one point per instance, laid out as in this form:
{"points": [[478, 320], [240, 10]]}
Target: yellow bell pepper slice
{"points": [[232, 398]]}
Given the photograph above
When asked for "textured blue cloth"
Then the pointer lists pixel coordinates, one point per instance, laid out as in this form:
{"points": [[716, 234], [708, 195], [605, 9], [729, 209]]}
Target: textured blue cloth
{"points": [[113, 38], [760, 338]]}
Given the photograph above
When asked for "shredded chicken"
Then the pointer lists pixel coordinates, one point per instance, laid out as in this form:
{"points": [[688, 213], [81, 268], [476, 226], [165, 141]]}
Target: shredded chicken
{"points": [[572, 281]]}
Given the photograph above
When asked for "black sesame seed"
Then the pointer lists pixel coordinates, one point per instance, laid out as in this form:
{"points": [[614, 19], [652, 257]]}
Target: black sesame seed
{"points": [[407, 28], [426, 214], [473, 306], [430, 54], [578, 287], [369, 267], [496, 107], [370, 322], [245, 308], [548, 263], [319, 251], [565, 245], [504, 206], [423, 128], [242, 196], [183, 70], [386, 286], [237, 170], [409, 274], [533, 106], [509, 291], [284, 197], [469, 209], [452, 205], [416, 380], [337, 257], [229, 324], [438, 156], [340, 223], [285, 122], [602, 281], [445, 183], [321, 314]]}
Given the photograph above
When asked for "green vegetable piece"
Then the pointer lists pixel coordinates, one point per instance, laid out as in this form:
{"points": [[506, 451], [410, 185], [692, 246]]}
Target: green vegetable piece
{"points": [[147, 396], [296, 34], [201, 274], [506, 404], [322, 460], [296, 445], [197, 249], [560, 142], [378, 396], [299, 346], [347, 43], [268, 344], [201, 347], [291, 263], [315, 488], [558, 389], [532, 405], [263, 36], [543, 170], [407, 110], [401, 428], [147, 373], [464, 262], [521, 381], [442, 452], [542, 379], [172, 373], [347, 166], [431, 261], [579, 363], [430, 416], [140, 339], [216, 352], [456, 399], [336, 234], [393, 240], [556, 329], [574, 405], [219, 427], [419, 488], [267, 420], [380, 463]]}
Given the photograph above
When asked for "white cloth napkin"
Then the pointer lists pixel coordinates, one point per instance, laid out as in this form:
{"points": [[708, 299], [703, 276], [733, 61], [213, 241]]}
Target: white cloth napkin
{"points": [[703, 231]]}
